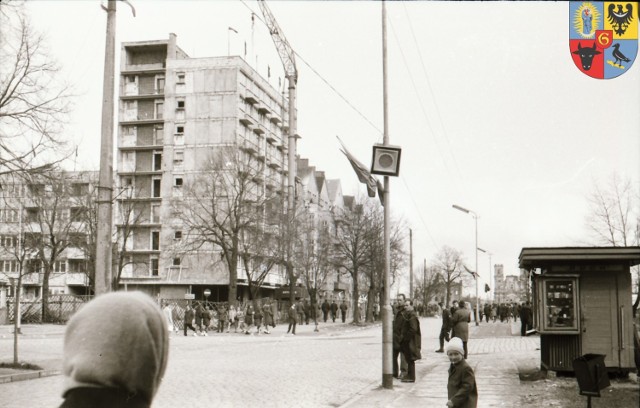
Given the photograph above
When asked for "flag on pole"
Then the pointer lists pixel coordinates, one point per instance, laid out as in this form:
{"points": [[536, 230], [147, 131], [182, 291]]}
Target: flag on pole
{"points": [[233, 29], [362, 172], [487, 288], [474, 274]]}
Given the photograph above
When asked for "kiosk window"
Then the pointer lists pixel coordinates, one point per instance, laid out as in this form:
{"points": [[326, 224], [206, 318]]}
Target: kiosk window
{"points": [[560, 304]]}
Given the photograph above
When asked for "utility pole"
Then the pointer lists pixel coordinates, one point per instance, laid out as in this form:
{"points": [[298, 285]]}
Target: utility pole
{"points": [[387, 318], [103, 280], [424, 282], [410, 264]]}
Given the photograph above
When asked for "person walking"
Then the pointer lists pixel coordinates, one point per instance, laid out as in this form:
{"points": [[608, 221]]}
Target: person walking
{"points": [[411, 342], [223, 317], [233, 319], [300, 311], [334, 310], [248, 318], [257, 318], [198, 317], [206, 320], [487, 312], [267, 316], [325, 309], [307, 311], [399, 371], [446, 327], [452, 310], [460, 322], [343, 310], [115, 353], [462, 391], [293, 314], [526, 315], [168, 314], [188, 320]]}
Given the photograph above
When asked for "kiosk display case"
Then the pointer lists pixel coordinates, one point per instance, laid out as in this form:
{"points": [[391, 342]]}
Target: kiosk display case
{"points": [[559, 305]]}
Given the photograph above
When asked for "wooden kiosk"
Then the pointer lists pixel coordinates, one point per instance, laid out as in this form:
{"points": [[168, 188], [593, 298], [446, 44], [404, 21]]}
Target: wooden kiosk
{"points": [[582, 304]]}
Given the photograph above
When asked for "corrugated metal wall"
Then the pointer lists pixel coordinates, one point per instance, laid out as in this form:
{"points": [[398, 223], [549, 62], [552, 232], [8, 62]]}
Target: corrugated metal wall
{"points": [[558, 351]]}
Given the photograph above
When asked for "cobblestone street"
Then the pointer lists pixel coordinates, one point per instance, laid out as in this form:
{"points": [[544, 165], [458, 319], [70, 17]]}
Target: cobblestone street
{"points": [[339, 366]]}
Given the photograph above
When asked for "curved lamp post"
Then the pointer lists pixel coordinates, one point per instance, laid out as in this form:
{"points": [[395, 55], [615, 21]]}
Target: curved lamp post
{"points": [[475, 217]]}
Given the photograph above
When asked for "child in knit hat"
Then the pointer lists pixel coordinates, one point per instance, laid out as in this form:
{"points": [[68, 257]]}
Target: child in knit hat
{"points": [[461, 386]]}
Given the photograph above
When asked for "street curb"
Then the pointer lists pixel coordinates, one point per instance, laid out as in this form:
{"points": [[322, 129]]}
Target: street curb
{"points": [[27, 376]]}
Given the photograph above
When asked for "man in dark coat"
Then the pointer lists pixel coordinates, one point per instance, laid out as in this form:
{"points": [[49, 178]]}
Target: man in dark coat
{"points": [[325, 309], [526, 316], [343, 310], [411, 342], [307, 311], [446, 327], [334, 310], [397, 339]]}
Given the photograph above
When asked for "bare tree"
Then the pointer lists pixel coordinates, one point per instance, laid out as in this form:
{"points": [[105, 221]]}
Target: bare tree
{"points": [[450, 266], [131, 213], [374, 273], [222, 205], [352, 247], [315, 257], [50, 228], [33, 103], [614, 217], [429, 284]]}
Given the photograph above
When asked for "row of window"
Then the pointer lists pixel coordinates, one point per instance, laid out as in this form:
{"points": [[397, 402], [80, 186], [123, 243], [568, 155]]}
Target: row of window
{"points": [[35, 266], [33, 214], [39, 189]]}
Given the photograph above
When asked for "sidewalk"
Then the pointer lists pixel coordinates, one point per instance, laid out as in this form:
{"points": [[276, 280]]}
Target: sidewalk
{"points": [[496, 355]]}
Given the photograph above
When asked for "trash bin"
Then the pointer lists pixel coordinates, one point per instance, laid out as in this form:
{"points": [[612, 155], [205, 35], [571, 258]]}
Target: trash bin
{"points": [[591, 374]]}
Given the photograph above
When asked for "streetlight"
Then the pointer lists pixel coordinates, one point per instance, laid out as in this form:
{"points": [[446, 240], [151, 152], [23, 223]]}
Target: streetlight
{"points": [[475, 217]]}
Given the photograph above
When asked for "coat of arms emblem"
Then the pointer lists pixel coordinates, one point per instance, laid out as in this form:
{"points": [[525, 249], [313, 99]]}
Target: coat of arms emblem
{"points": [[603, 37]]}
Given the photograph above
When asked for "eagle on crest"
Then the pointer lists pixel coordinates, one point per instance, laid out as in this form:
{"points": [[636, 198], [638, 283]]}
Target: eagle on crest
{"points": [[620, 19]]}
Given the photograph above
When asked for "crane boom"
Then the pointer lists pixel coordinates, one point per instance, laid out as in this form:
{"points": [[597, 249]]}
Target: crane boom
{"points": [[285, 51]]}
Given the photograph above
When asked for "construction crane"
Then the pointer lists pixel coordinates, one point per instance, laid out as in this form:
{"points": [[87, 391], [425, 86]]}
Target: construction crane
{"points": [[287, 56]]}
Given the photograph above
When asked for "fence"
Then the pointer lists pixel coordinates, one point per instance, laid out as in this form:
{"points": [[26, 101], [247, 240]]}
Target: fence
{"points": [[60, 309]]}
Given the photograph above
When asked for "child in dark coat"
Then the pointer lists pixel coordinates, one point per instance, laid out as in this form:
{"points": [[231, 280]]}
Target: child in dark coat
{"points": [[461, 387]]}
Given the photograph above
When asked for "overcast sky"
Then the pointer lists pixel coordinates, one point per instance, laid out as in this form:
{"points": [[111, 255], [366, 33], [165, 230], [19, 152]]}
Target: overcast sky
{"points": [[484, 100]]}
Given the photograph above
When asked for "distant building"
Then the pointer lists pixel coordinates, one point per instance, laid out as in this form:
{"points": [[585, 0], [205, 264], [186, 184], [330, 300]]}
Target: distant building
{"points": [[509, 288]]}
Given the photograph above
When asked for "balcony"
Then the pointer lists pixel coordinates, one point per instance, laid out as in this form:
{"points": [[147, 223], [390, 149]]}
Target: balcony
{"points": [[259, 129], [76, 279], [250, 97], [271, 137], [263, 109], [246, 120], [275, 119], [249, 147], [273, 163]]}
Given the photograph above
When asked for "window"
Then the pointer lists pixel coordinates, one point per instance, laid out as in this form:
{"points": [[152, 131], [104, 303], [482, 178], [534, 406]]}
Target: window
{"points": [[179, 129], [154, 267], [79, 189], [36, 189], [160, 84], [560, 310], [8, 215], [8, 241], [159, 112], [178, 157], [33, 214], [158, 135], [177, 235], [176, 262], [155, 213], [32, 239], [77, 213], [77, 266], [157, 161], [156, 188], [155, 240], [60, 266], [77, 239], [33, 266], [10, 266], [180, 78], [180, 104], [178, 182]]}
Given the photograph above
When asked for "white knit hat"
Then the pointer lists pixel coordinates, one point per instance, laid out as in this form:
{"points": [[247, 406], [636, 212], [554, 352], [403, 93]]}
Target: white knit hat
{"points": [[455, 344]]}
